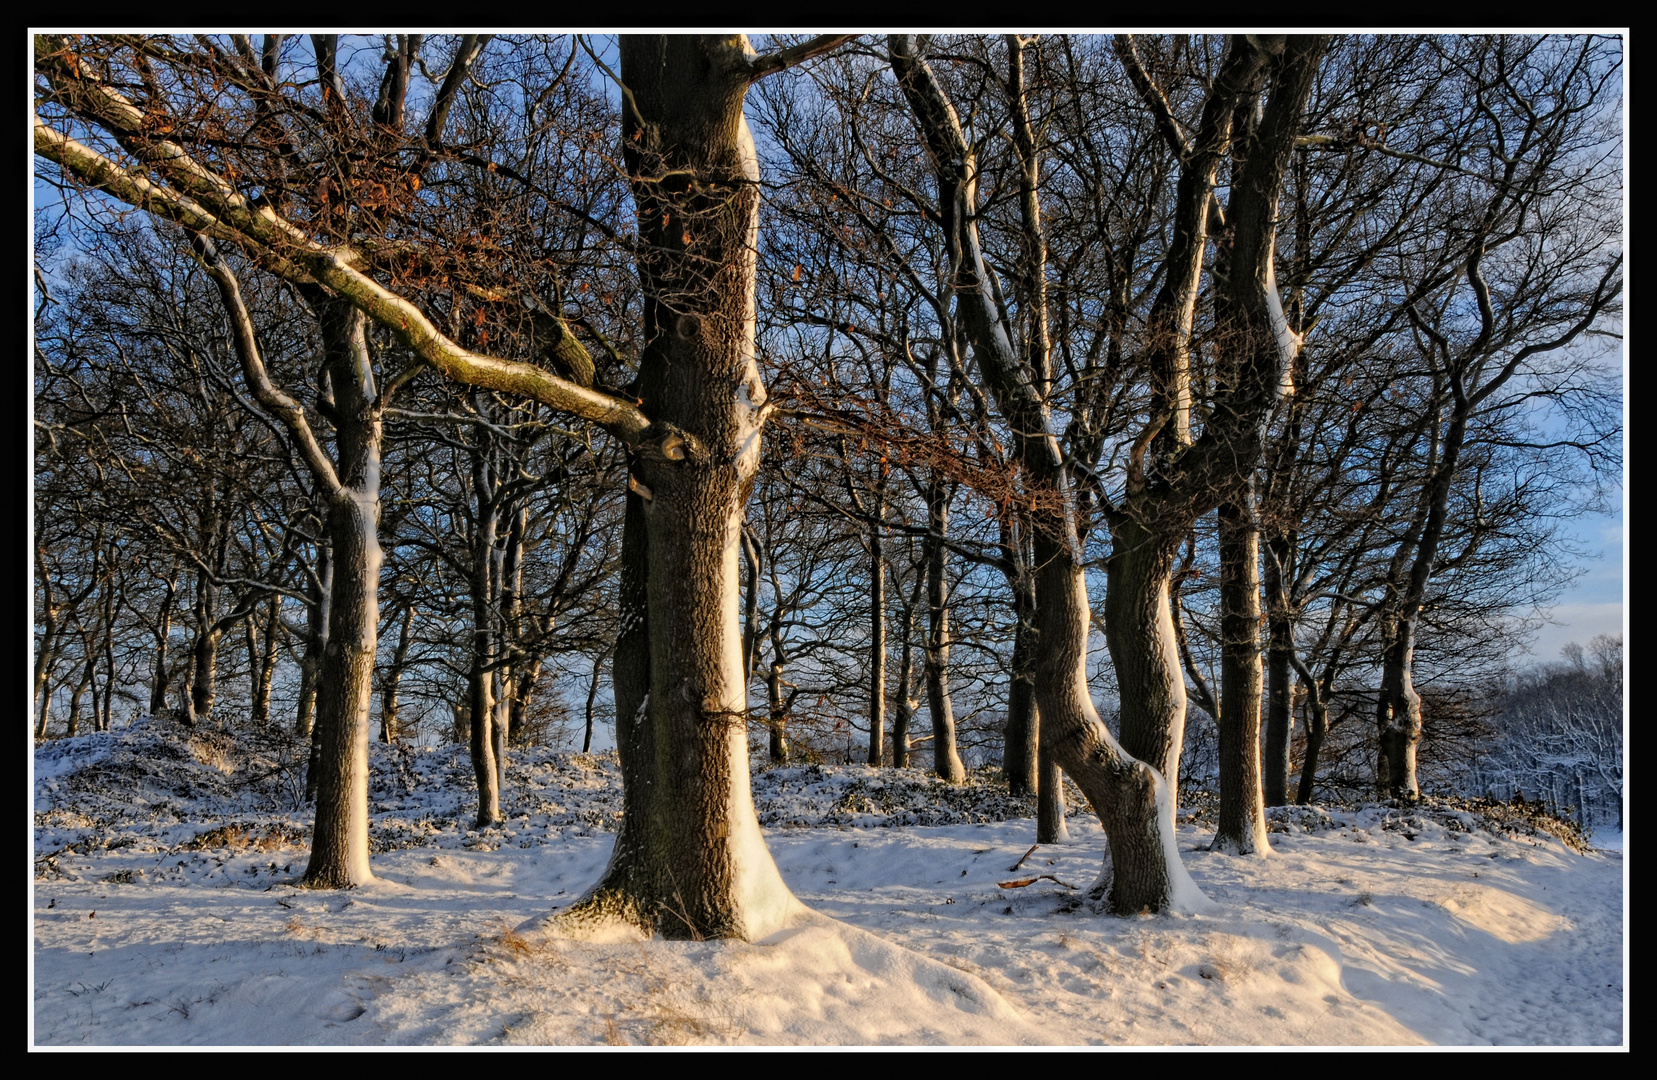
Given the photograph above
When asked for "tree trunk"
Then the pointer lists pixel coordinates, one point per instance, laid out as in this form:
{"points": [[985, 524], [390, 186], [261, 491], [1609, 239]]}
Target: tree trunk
{"points": [[1142, 864], [1135, 805], [526, 677], [318, 615], [776, 713], [1019, 757], [904, 718], [1241, 828], [1050, 817], [105, 712], [264, 665], [690, 861], [1139, 631], [73, 723], [513, 701], [1279, 676], [877, 635], [204, 653], [1317, 726], [946, 762], [44, 716], [46, 649], [390, 731], [1398, 711], [592, 696], [481, 679], [339, 844]]}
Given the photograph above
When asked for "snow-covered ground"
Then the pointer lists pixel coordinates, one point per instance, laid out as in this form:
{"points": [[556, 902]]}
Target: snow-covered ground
{"points": [[164, 914]]}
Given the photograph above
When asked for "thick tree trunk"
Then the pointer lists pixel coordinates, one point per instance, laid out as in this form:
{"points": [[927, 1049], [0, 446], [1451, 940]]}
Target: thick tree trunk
{"points": [[946, 762], [1398, 717], [690, 861], [1139, 631], [339, 844], [1142, 868], [1241, 828]]}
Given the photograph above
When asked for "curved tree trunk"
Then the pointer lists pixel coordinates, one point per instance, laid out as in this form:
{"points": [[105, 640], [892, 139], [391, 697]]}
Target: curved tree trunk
{"points": [[1139, 630]]}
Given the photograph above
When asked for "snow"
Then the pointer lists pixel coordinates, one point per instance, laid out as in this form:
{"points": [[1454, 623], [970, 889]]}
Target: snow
{"points": [[165, 914]]}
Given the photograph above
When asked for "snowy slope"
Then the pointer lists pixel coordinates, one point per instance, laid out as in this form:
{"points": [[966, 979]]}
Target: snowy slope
{"points": [[164, 915]]}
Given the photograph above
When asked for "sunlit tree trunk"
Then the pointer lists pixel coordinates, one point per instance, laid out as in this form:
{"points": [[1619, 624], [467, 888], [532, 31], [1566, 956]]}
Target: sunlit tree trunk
{"points": [[339, 846], [690, 861]]}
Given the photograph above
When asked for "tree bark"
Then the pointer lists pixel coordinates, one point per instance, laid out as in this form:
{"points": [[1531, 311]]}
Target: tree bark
{"points": [[1139, 631]]}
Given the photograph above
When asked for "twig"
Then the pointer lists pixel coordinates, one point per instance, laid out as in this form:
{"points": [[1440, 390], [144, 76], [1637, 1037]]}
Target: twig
{"points": [[1020, 862]]}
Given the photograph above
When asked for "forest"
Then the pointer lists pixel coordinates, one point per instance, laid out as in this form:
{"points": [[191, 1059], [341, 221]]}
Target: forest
{"points": [[1159, 428]]}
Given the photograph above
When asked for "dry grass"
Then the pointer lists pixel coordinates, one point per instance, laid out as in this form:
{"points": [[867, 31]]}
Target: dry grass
{"points": [[214, 750], [244, 835]]}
